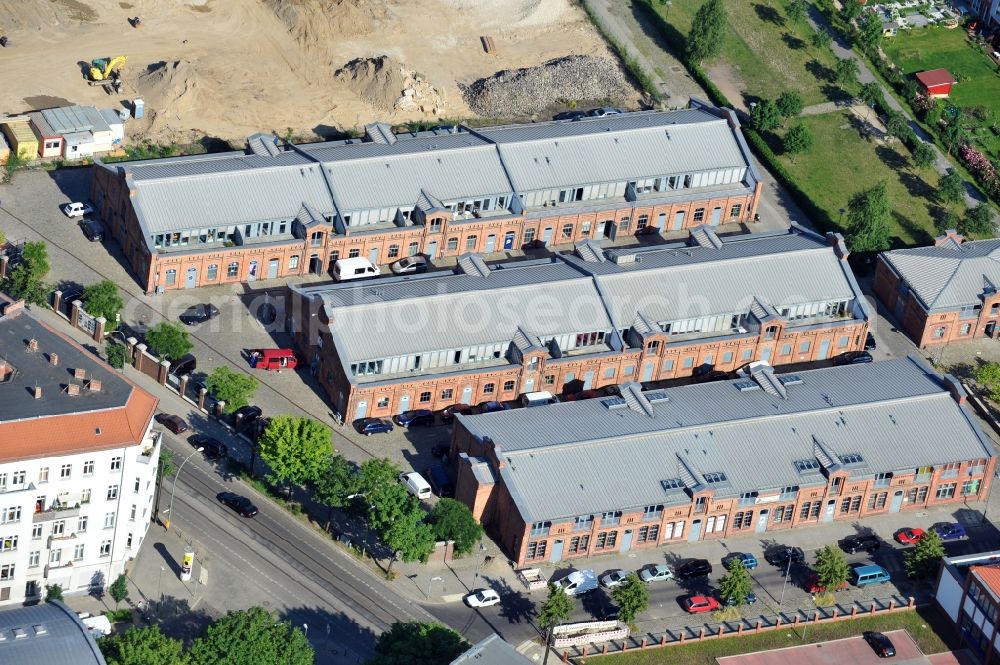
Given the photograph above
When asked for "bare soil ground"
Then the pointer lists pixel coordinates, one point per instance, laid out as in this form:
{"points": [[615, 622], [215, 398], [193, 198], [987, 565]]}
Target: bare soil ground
{"points": [[228, 68]]}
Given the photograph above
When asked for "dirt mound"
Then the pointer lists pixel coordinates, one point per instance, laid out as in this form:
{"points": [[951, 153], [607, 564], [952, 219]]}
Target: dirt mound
{"points": [[174, 91], [387, 84], [516, 92], [320, 22]]}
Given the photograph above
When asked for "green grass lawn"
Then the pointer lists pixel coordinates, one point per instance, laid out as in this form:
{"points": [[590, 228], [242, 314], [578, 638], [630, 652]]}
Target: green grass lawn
{"points": [[928, 627], [769, 52], [842, 163]]}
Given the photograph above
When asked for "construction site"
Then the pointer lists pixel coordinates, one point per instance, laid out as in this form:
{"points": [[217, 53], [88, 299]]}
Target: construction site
{"points": [[223, 69]]}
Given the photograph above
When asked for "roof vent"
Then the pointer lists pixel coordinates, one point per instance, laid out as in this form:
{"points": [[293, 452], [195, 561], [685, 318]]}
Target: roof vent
{"points": [[79, 373], [32, 345], [612, 403], [746, 386], [622, 259], [656, 396], [40, 629], [73, 390], [94, 385], [38, 392], [790, 380], [53, 359]]}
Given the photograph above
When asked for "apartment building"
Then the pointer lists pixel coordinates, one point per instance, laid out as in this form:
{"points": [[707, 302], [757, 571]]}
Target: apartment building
{"points": [[283, 210], [77, 464], [968, 591], [578, 321], [754, 456], [944, 293]]}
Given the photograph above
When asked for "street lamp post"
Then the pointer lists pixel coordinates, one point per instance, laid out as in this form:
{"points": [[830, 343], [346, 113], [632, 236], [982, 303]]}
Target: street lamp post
{"points": [[785, 583], [429, 582], [479, 556], [166, 523]]}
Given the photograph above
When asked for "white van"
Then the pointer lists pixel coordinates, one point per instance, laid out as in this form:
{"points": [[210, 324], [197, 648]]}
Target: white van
{"points": [[416, 485], [540, 398], [355, 268]]}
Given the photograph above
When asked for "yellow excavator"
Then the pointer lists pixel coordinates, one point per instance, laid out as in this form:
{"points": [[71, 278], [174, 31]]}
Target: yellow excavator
{"points": [[107, 71]]}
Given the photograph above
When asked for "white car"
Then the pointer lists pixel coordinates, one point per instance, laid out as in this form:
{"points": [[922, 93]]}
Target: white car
{"points": [[614, 578], [77, 209], [483, 598]]}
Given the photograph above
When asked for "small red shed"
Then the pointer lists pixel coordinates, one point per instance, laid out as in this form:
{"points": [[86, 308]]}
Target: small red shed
{"points": [[936, 82]]}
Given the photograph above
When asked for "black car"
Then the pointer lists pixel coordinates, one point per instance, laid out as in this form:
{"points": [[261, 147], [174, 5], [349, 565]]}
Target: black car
{"points": [[240, 504], [175, 424], [692, 568], [441, 451], [853, 358], [93, 230], [880, 644], [449, 412], [860, 543], [213, 448], [870, 342], [706, 374], [255, 429], [196, 314], [415, 418], [781, 555], [570, 115], [493, 407], [245, 415], [439, 480]]}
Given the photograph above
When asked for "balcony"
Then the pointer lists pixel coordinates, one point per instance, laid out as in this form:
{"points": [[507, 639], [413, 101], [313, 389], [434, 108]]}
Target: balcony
{"points": [[922, 478], [56, 511]]}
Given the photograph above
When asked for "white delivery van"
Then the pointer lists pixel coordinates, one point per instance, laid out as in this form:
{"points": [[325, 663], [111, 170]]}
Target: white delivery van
{"points": [[416, 485], [355, 268], [540, 398]]}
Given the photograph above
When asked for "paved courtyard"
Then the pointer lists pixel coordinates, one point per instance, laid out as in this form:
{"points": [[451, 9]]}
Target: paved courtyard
{"points": [[836, 652]]}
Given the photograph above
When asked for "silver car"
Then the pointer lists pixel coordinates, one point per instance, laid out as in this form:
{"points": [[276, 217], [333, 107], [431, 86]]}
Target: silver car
{"points": [[657, 573], [614, 578]]}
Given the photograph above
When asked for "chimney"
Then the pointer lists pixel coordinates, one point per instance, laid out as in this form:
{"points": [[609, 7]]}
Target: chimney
{"points": [[956, 389], [950, 235], [32, 345], [54, 359], [79, 373], [38, 392], [13, 309], [94, 385], [72, 390], [836, 241]]}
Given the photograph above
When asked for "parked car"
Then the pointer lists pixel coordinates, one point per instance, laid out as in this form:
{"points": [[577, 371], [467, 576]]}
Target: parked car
{"points": [[707, 373], [949, 530], [870, 344], [213, 448], [449, 412], [78, 209], [415, 418], [614, 578], [175, 424], [570, 115], [441, 451], [748, 599], [369, 426], [93, 230], [700, 604], [860, 543], [409, 265], [240, 504], [416, 484], [813, 586], [880, 644], [196, 314], [604, 111], [749, 560], [692, 568], [493, 406], [186, 365], [656, 573], [255, 429], [245, 415], [441, 483], [582, 395], [853, 358], [578, 582], [908, 536], [782, 555], [483, 598]]}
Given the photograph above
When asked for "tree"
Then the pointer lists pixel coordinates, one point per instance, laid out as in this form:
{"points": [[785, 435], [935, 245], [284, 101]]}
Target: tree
{"points": [[632, 597], [923, 560], [872, 96], [252, 637], [796, 10], [764, 116], [234, 388], [117, 355], [951, 187], [988, 376], [789, 103], [954, 135], [923, 155], [869, 34], [417, 642], [296, 449], [831, 568], [168, 340], [142, 646], [820, 38], [851, 10], [896, 124], [102, 299], [736, 585], [556, 609], [377, 480], [846, 72], [119, 590], [868, 214], [53, 592], [409, 538], [452, 520], [797, 140], [26, 279], [335, 483], [707, 32], [978, 220]]}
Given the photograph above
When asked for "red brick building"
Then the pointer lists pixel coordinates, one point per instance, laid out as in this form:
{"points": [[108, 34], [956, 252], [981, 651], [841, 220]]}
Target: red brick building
{"points": [[945, 293], [276, 211], [773, 452], [578, 321]]}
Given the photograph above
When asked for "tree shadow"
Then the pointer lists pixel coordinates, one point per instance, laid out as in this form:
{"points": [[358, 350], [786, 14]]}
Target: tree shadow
{"points": [[215, 144], [769, 15], [335, 637], [836, 94], [179, 620], [820, 71], [919, 233], [793, 42], [515, 605], [891, 158]]}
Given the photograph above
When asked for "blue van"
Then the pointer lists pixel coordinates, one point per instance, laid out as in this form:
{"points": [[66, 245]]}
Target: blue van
{"points": [[865, 575]]}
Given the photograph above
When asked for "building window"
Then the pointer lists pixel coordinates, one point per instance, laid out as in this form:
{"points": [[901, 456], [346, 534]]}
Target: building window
{"points": [[549, 380], [413, 248], [447, 393], [882, 479], [106, 548], [112, 492], [33, 559], [316, 239], [950, 470], [383, 402], [489, 388], [293, 262], [579, 544], [425, 396], [452, 244], [85, 496], [131, 515], [36, 531], [970, 487], [727, 357], [850, 505], [876, 501], [965, 329], [233, 269], [78, 553], [939, 332], [688, 363], [743, 519], [536, 550], [354, 253], [583, 522], [567, 231], [7, 571], [43, 474], [171, 277], [917, 495], [606, 540], [8, 544], [116, 463], [648, 534], [65, 471], [652, 512], [736, 210], [109, 520], [609, 373], [508, 386], [529, 236], [804, 347], [470, 242], [540, 528], [786, 349], [436, 225], [81, 524], [393, 251], [946, 491], [641, 222], [88, 468], [59, 527], [585, 230], [699, 214]]}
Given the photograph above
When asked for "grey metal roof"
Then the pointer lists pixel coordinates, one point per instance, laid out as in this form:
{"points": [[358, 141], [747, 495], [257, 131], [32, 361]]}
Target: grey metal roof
{"points": [[46, 634], [69, 119], [491, 651], [950, 275], [581, 458]]}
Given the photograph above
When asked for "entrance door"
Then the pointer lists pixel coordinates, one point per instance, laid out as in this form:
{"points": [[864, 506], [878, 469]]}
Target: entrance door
{"points": [[647, 371], [547, 236], [661, 222], [897, 502], [602, 229], [467, 395], [529, 384], [491, 244], [695, 533], [192, 278], [361, 410], [272, 268], [831, 505], [373, 255], [716, 216], [432, 250], [761, 521], [765, 354], [990, 329], [626, 541], [316, 266], [824, 349], [508, 240], [678, 220], [404, 403], [252, 275], [557, 550], [588, 380]]}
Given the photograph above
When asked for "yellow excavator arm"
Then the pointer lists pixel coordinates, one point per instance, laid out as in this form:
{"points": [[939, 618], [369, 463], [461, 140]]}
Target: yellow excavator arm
{"points": [[101, 69]]}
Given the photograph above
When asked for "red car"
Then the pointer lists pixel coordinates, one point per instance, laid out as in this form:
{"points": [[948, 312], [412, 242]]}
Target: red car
{"points": [[909, 536], [586, 394], [700, 604], [175, 424], [813, 585]]}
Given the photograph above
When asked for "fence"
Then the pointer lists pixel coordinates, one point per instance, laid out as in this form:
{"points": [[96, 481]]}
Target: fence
{"points": [[747, 626], [68, 306]]}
